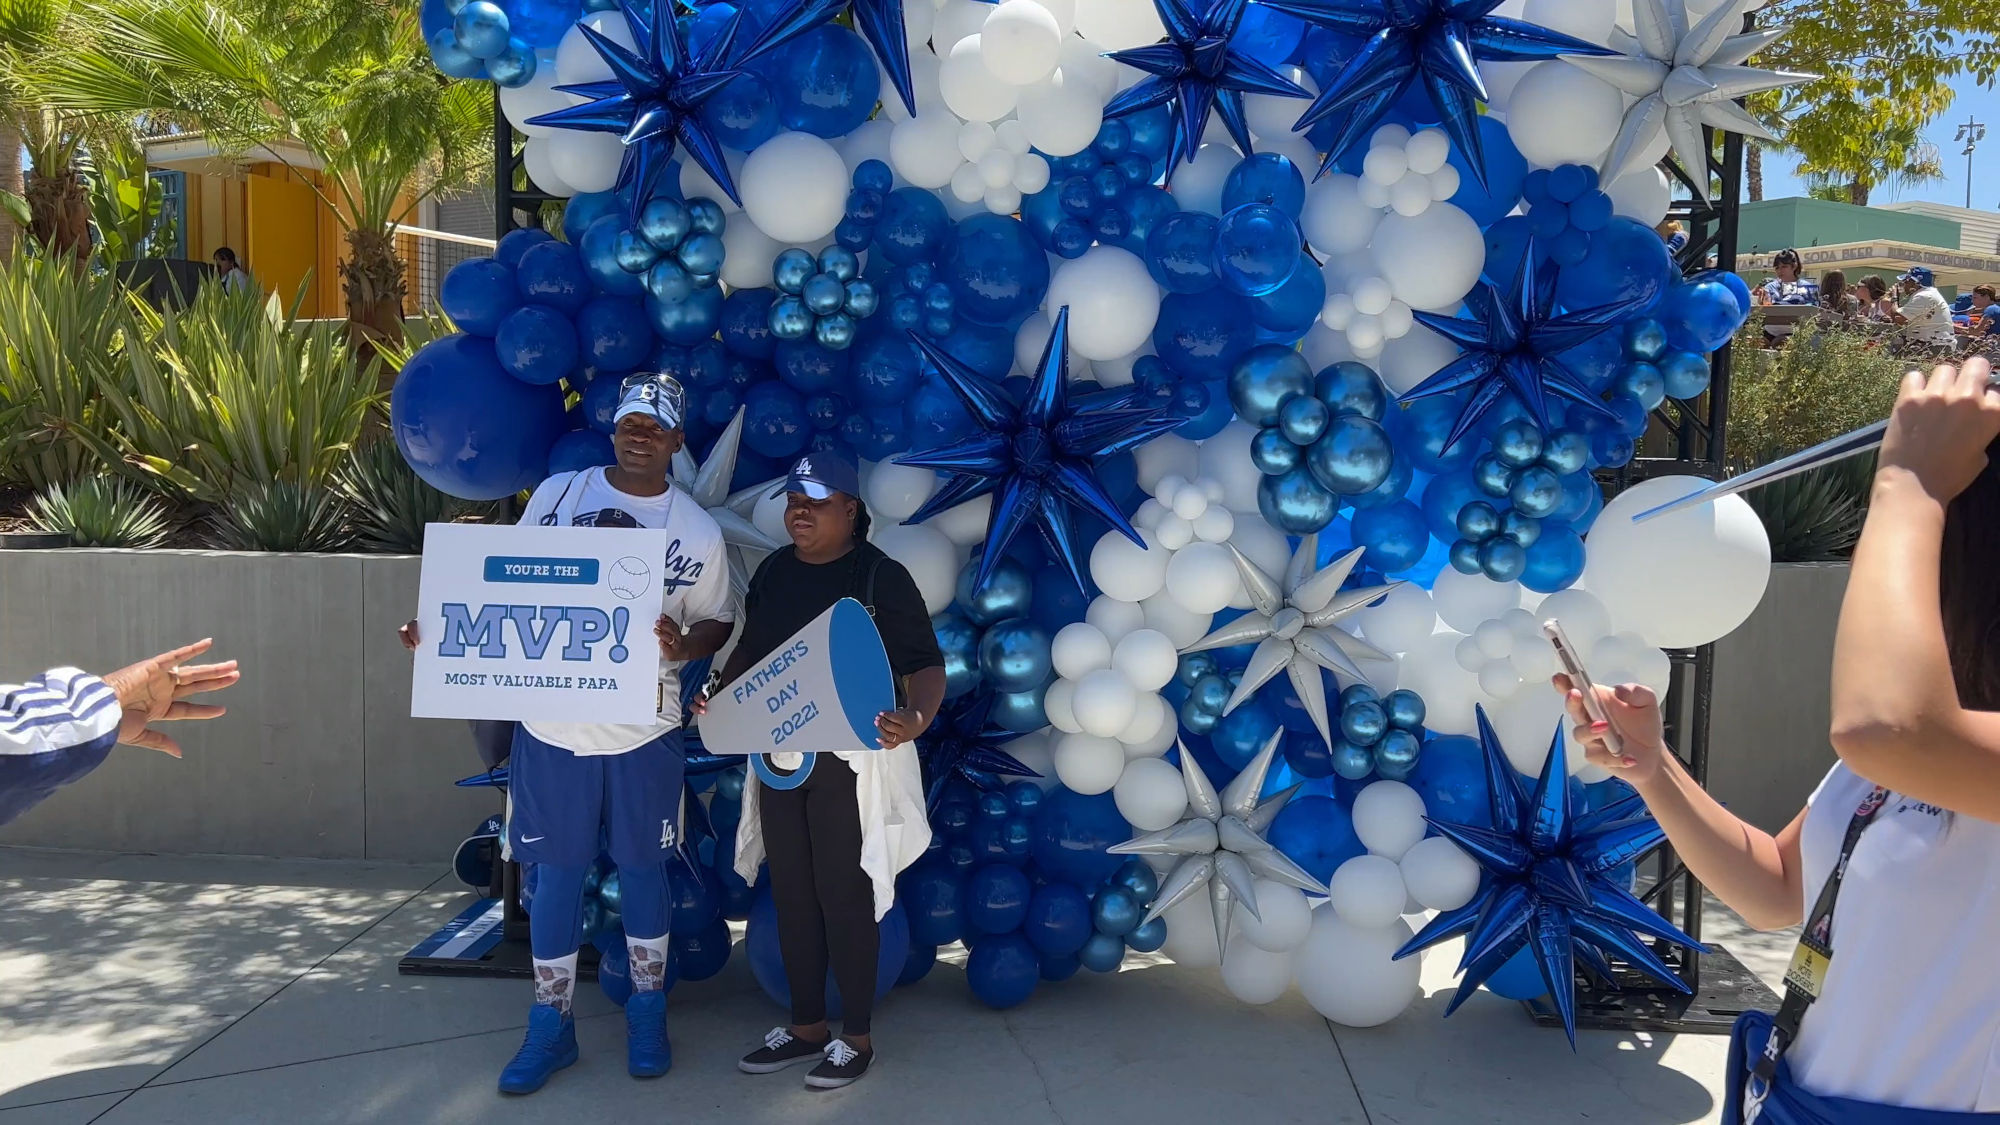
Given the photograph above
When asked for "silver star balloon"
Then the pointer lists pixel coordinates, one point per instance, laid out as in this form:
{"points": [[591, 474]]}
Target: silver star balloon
{"points": [[708, 484], [1222, 843], [1293, 626], [1684, 77]]}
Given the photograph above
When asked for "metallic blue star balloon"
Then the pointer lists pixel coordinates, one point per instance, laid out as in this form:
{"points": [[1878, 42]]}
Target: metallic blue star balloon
{"points": [[963, 743], [1548, 887], [1196, 70], [1434, 42], [879, 21], [1037, 457], [654, 97], [1513, 345]]}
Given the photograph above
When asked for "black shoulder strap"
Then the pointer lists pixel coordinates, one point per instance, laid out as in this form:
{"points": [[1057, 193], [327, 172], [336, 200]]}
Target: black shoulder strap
{"points": [[864, 586]]}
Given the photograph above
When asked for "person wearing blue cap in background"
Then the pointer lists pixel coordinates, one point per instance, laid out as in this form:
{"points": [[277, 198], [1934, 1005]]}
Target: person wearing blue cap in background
{"points": [[573, 784], [1924, 314], [838, 838]]}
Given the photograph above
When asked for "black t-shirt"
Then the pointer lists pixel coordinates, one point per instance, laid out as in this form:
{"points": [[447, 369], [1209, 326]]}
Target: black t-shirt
{"points": [[787, 593]]}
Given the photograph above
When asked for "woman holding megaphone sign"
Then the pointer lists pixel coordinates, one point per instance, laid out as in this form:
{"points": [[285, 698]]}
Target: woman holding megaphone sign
{"points": [[837, 828]]}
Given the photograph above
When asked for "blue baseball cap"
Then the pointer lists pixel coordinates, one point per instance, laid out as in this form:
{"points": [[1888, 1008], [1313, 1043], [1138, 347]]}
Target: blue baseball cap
{"points": [[1919, 274], [820, 475], [657, 395]]}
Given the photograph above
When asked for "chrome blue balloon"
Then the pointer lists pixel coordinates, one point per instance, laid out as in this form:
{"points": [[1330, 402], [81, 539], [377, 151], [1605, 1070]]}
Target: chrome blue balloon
{"points": [[1517, 443], [1348, 387], [1352, 762], [1256, 249], [664, 222], [1353, 457], [1502, 559], [1478, 521], [1492, 476], [1014, 656], [1536, 492], [1521, 528], [482, 29], [1005, 593], [1464, 557], [1684, 375], [1555, 561], [705, 216], [513, 67], [790, 319], [835, 332], [1136, 876], [1193, 667], [791, 269], [632, 252], [667, 281], [1363, 722], [1148, 938], [600, 252], [1396, 754], [1116, 911], [1405, 709], [1180, 252], [1302, 419], [823, 295], [452, 60], [1104, 953], [1646, 339], [1296, 503], [1265, 177], [1019, 711], [958, 641], [1354, 694], [1567, 451], [862, 299], [1196, 720], [1210, 693], [701, 254], [1644, 383], [839, 263], [1393, 487]]}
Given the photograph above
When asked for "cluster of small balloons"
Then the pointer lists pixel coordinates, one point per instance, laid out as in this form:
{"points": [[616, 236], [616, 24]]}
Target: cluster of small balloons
{"points": [[1565, 206], [1521, 480], [1321, 443], [677, 247], [1380, 736], [991, 642], [478, 38], [822, 298], [1674, 372], [1105, 193]]}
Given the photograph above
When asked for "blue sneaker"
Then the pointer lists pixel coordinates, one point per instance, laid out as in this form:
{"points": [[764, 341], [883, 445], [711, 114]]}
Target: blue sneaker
{"points": [[647, 1053], [549, 1046]]}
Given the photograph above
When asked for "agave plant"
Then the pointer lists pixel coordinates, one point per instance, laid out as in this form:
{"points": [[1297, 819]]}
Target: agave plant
{"points": [[1815, 516], [280, 515], [388, 505], [100, 511], [61, 350]]}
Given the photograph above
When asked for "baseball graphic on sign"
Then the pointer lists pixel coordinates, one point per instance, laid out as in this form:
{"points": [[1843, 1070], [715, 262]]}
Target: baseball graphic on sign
{"points": [[629, 577]]}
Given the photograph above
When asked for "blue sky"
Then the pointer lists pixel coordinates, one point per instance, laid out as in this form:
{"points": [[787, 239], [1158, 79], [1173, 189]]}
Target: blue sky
{"points": [[1781, 181]]}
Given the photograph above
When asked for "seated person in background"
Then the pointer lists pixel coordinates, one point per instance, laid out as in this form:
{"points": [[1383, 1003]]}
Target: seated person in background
{"points": [[1788, 288], [1923, 315], [1671, 233], [1875, 302], [1836, 298], [1984, 318]]}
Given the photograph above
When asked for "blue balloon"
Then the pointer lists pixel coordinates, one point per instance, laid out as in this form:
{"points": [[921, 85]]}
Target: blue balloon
{"points": [[1059, 919], [995, 271], [827, 83], [912, 227], [1102, 953], [1444, 498], [743, 114], [1019, 711], [1239, 735], [551, 273], [1071, 834], [932, 898], [1420, 429], [1291, 308], [922, 959], [585, 208], [599, 401], [996, 899], [1518, 978], [1302, 420], [515, 243], [1451, 777], [1316, 833], [541, 23], [1393, 487], [1202, 335], [1308, 754], [1395, 536], [1264, 378], [1350, 761], [452, 59], [1014, 656], [746, 329], [1003, 970], [611, 336], [1296, 503], [1060, 967], [1180, 252], [1148, 938], [687, 322], [467, 427], [1116, 911], [1256, 249], [1627, 266], [1265, 177], [600, 258], [887, 369], [1505, 171], [1205, 405], [958, 640], [774, 421], [1684, 375], [481, 28], [1352, 457], [1005, 593], [479, 293], [1700, 316], [537, 344], [692, 896], [767, 963], [1555, 561], [580, 449]]}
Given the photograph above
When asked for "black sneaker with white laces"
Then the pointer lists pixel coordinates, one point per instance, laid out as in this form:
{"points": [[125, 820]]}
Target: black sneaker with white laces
{"points": [[781, 1049], [843, 1064]]}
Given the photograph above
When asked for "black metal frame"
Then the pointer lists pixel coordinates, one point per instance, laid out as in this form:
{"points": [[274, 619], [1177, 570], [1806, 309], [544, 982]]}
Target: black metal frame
{"points": [[506, 197]]}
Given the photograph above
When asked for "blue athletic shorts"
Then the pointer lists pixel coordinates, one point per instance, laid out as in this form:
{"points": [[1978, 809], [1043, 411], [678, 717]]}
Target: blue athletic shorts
{"points": [[567, 807]]}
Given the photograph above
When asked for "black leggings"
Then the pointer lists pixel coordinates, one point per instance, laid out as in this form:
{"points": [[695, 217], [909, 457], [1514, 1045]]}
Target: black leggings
{"points": [[826, 902]]}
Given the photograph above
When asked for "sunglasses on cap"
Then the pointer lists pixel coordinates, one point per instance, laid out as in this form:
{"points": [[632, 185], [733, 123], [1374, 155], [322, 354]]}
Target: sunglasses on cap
{"points": [[649, 392]]}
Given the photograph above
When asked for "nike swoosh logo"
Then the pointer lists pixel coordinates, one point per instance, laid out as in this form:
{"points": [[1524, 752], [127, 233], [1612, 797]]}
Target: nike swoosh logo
{"points": [[533, 839]]}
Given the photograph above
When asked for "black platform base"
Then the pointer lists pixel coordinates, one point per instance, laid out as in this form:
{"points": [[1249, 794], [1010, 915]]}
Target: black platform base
{"points": [[475, 944], [1727, 991]]}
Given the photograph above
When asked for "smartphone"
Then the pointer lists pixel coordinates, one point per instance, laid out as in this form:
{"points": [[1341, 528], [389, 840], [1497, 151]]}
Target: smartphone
{"points": [[1572, 663]]}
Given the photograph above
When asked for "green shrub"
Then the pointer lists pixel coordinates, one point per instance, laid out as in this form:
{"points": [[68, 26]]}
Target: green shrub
{"points": [[62, 340], [388, 505], [100, 511], [280, 515], [1822, 383]]}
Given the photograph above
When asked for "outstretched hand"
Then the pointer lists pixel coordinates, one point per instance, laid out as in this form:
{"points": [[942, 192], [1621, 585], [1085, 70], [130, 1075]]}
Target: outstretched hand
{"points": [[1635, 719], [155, 690]]}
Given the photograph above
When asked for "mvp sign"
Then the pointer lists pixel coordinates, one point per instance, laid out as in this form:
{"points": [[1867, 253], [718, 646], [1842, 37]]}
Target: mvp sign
{"points": [[542, 624]]}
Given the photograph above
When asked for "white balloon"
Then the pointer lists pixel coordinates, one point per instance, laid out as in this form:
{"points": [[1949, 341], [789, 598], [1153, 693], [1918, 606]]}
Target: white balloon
{"points": [[1119, 24], [970, 89], [955, 20], [1149, 736], [1399, 621], [1526, 722], [1202, 578], [1643, 195], [1253, 975], [1559, 114], [794, 187], [1056, 705], [1127, 571], [535, 157], [1499, 680], [1389, 818], [1150, 794], [1286, 918], [1439, 875], [1654, 670], [976, 139], [1427, 150], [1430, 260], [924, 149], [1682, 579], [697, 184], [1465, 600], [1445, 183], [930, 558], [1104, 703], [869, 141], [585, 161], [1181, 625], [1215, 525], [1113, 301], [1060, 119], [1588, 20], [1272, 115], [1174, 532], [1170, 455], [1088, 764], [1021, 42], [1468, 656], [1414, 357], [1114, 618], [1147, 658], [1263, 545], [1198, 184], [577, 61], [895, 492], [1385, 163], [964, 524], [1031, 174], [1084, 62], [746, 260], [1036, 752], [1493, 638], [1350, 974], [1079, 649], [1367, 891], [966, 186], [539, 96], [1191, 924], [1582, 615], [1334, 219], [1449, 692], [1225, 459]]}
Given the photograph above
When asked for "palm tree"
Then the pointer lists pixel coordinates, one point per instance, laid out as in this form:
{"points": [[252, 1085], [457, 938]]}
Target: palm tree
{"points": [[349, 82], [50, 201]]}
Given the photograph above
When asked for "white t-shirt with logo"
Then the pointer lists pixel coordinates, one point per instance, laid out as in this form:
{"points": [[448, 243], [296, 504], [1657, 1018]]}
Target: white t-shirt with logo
{"points": [[1929, 317], [697, 581], [1911, 1011]]}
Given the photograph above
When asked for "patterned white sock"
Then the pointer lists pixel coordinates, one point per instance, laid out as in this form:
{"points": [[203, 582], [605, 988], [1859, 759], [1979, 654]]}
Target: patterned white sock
{"points": [[649, 962], [555, 982]]}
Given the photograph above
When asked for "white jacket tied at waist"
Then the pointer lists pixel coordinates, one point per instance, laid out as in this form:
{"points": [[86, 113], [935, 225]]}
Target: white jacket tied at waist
{"points": [[895, 832]]}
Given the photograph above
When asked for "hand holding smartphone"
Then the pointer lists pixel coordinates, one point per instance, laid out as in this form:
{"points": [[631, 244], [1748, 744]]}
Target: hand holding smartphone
{"points": [[1572, 664]]}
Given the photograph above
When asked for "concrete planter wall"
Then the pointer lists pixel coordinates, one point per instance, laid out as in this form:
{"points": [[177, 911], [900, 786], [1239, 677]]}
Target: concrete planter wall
{"points": [[318, 756]]}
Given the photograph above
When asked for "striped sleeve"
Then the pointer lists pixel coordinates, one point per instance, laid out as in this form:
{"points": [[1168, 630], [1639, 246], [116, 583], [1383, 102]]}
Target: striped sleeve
{"points": [[54, 729]]}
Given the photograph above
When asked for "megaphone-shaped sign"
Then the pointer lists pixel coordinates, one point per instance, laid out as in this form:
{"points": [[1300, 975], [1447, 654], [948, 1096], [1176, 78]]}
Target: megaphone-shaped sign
{"points": [[817, 693]]}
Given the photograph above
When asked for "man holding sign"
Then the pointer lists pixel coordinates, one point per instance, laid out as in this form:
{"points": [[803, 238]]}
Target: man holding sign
{"points": [[574, 783]]}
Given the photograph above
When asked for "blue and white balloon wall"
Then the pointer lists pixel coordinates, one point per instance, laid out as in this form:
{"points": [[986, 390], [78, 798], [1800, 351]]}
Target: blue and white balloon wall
{"points": [[1254, 438]]}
